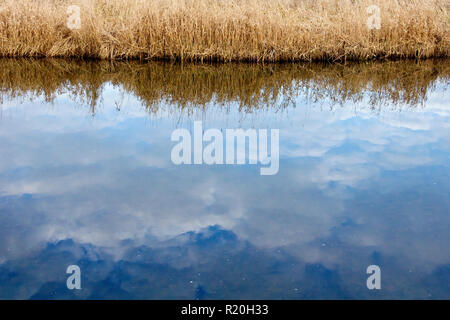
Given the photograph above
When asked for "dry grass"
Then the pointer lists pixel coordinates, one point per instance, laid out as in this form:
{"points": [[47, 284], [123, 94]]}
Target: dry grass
{"points": [[226, 30]]}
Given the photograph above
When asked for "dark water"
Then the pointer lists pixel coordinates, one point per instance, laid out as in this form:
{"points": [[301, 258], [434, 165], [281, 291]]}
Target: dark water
{"points": [[86, 179]]}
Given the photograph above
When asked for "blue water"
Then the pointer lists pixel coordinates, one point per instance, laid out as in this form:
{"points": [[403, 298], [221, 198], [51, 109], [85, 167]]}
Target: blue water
{"points": [[355, 187]]}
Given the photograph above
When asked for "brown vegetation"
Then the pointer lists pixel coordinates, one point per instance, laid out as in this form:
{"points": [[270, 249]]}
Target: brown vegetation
{"points": [[226, 30], [252, 86]]}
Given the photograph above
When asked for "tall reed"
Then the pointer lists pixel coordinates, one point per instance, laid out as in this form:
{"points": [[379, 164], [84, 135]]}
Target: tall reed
{"points": [[226, 30]]}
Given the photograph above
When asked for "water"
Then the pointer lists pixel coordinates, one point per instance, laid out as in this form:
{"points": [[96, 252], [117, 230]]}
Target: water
{"points": [[86, 179]]}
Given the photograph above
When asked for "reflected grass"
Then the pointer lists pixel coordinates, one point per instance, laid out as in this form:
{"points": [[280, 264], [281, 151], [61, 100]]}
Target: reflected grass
{"points": [[251, 86]]}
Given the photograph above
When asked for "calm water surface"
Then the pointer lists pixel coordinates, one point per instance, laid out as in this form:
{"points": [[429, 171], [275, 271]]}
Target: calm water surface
{"points": [[86, 179]]}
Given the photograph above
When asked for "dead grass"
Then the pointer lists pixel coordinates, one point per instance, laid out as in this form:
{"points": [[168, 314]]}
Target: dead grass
{"points": [[226, 30]]}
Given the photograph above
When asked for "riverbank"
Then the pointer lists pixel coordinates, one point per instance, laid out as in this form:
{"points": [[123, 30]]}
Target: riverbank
{"points": [[219, 30]]}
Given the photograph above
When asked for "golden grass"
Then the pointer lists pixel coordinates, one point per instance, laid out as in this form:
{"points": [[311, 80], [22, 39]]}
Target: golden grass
{"points": [[226, 30], [252, 86]]}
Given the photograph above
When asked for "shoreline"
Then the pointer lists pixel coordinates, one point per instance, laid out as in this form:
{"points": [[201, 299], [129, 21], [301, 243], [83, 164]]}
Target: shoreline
{"points": [[348, 62], [221, 61]]}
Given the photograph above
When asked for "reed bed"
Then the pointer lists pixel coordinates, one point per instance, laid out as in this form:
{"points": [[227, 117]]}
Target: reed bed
{"points": [[225, 30]]}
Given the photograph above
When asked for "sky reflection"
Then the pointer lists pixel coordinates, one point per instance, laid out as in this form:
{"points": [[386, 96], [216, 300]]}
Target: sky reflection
{"points": [[356, 186]]}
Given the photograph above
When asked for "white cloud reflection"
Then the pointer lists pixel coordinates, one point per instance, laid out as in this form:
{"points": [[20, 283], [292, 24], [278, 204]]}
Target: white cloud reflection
{"points": [[108, 179]]}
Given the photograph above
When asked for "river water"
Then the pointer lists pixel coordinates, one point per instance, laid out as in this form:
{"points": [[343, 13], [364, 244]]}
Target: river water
{"points": [[87, 178]]}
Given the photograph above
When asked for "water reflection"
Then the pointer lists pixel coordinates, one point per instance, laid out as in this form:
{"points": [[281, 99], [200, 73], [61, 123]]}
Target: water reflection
{"points": [[251, 86], [364, 179]]}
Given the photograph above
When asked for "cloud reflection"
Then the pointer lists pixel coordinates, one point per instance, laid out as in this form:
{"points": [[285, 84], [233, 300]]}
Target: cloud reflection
{"points": [[354, 187]]}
